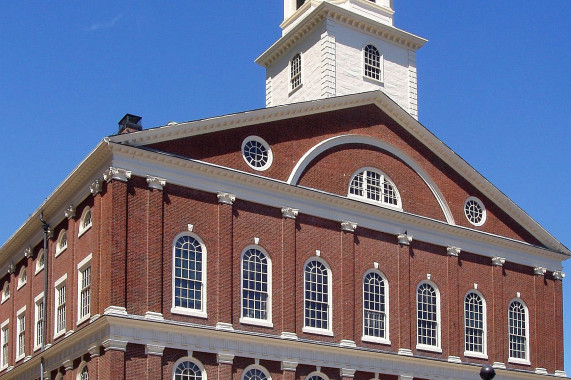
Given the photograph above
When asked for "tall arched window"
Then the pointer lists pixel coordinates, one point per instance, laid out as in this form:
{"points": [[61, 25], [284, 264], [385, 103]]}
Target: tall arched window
{"points": [[85, 221], [518, 332], [189, 276], [427, 317], [83, 374], [372, 60], [188, 369], [373, 185], [255, 372], [375, 316], [61, 242], [317, 297], [256, 286], [295, 71], [317, 376], [474, 324]]}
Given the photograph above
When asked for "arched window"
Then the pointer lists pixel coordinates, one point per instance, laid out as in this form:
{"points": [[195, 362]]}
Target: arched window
{"points": [[373, 185], [372, 60], [255, 372], [317, 297], [295, 71], [427, 317], [317, 376], [84, 373], [256, 295], [474, 324], [188, 369], [85, 221], [40, 261], [22, 277], [6, 291], [189, 276], [61, 242], [518, 332], [375, 315]]}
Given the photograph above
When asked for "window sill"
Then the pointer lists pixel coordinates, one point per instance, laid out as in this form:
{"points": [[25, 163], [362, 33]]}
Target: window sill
{"points": [[256, 322], [313, 330], [20, 286], [18, 358], [478, 355], [83, 231], [36, 348], [424, 347], [295, 90], [83, 319], [59, 334], [373, 80], [189, 312], [38, 270], [375, 203], [519, 361], [374, 339], [4, 300]]}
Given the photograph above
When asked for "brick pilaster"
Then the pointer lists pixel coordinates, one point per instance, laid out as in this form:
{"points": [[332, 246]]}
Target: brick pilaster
{"points": [[454, 314], [225, 262], [288, 273], [348, 283], [558, 323], [499, 344], [155, 210], [288, 370], [406, 301], [97, 220], [154, 362], [113, 361], [225, 362]]}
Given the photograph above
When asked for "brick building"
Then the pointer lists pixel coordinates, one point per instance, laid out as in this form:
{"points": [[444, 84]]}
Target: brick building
{"points": [[327, 236]]}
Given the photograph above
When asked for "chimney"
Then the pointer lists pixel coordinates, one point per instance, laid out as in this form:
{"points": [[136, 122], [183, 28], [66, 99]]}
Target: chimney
{"points": [[130, 123]]}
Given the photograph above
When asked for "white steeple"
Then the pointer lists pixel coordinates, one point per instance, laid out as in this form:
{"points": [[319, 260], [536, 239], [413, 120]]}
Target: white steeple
{"points": [[339, 47]]}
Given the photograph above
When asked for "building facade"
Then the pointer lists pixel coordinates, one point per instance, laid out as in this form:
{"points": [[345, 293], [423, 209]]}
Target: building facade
{"points": [[329, 236]]}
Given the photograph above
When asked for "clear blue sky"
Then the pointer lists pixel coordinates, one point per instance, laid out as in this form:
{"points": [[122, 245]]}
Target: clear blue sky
{"points": [[493, 85]]}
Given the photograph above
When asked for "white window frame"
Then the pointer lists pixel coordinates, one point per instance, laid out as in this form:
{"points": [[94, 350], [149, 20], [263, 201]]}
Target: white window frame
{"points": [[293, 89], [317, 373], [38, 305], [427, 347], [265, 144], [371, 338], [40, 263], [6, 291], [83, 228], [314, 330], [60, 247], [267, 322], [202, 312], [513, 360], [381, 65], [481, 205], [81, 267], [259, 368], [484, 353], [4, 342], [192, 360], [364, 198], [60, 283], [20, 334], [81, 368], [22, 277]]}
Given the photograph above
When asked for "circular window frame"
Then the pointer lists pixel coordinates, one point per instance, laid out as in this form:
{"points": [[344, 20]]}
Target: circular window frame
{"points": [[265, 144], [482, 207]]}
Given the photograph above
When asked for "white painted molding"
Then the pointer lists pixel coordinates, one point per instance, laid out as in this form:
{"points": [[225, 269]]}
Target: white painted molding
{"points": [[226, 198], [94, 351], [454, 359], [405, 352], [28, 252], [190, 227], [224, 358], [115, 345], [224, 326], [156, 182], [289, 366], [453, 251], [95, 187], [70, 212], [499, 365], [153, 349], [404, 239], [154, 316], [348, 226], [11, 268], [560, 373], [540, 371], [406, 377], [558, 275], [67, 365], [347, 343], [288, 335], [115, 310], [498, 261], [118, 174], [289, 212], [347, 372], [50, 233], [539, 271]]}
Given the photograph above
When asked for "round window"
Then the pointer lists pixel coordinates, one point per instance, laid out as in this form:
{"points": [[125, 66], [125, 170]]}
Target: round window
{"points": [[475, 211], [257, 153]]}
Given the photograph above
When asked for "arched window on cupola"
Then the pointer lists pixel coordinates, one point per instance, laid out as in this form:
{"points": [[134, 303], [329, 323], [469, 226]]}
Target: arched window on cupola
{"points": [[375, 186], [372, 63], [295, 72]]}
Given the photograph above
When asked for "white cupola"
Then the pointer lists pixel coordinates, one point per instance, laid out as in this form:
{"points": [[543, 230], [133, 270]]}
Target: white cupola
{"points": [[339, 47]]}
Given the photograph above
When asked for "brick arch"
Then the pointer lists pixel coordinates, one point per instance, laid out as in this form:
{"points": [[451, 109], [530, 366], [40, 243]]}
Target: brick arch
{"points": [[336, 141]]}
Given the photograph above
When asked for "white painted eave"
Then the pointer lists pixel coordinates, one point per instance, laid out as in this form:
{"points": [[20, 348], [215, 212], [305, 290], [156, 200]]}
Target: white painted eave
{"points": [[341, 15]]}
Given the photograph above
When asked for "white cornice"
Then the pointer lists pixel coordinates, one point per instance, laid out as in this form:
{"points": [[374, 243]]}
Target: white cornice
{"points": [[258, 189], [343, 16]]}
